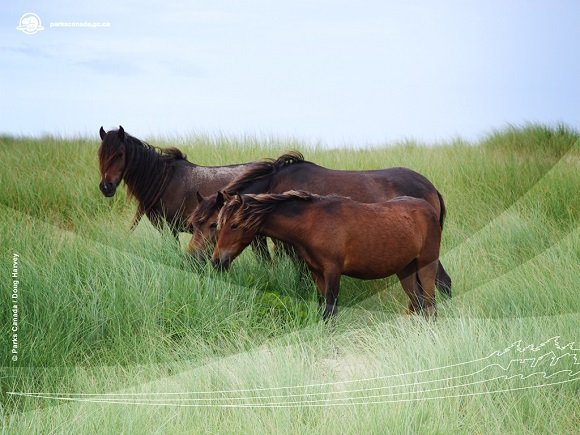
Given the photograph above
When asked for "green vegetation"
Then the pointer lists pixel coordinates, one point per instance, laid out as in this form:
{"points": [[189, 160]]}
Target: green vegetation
{"points": [[105, 311]]}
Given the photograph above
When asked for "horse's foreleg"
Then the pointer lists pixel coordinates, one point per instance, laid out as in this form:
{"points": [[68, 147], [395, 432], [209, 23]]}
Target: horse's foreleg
{"points": [[282, 248], [260, 247], [136, 219], [159, 223], [427, 274]]}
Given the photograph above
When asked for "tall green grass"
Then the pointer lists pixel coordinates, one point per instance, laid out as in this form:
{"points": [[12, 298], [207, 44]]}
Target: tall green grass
{"points": [[103, 310]]}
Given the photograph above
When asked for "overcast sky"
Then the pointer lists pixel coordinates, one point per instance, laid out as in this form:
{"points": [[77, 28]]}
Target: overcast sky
{"points": [[334, 72]]}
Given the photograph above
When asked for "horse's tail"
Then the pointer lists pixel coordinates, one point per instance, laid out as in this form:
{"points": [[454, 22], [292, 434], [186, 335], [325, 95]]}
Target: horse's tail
{"points": [[443, 211], [443, 280]]}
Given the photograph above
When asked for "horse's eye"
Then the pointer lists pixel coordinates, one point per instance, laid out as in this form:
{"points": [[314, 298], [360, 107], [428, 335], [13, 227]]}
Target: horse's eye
{"points": [[213, 226], [234, 226]]}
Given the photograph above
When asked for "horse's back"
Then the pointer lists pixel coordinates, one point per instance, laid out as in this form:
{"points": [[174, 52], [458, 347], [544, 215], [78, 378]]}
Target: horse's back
{"points": [[364, 186], [401, 217], [393, 208]]}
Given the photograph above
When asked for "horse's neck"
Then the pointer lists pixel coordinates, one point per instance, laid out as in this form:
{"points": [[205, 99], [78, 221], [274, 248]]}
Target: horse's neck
{"points": [[286, 227]]}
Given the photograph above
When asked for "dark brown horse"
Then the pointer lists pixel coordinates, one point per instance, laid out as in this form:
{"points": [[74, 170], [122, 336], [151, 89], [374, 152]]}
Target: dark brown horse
{"points": [[162, 181], [291, 172], [338, 236]]}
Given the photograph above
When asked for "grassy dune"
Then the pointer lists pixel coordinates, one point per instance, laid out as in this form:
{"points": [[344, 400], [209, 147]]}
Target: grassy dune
{"points": [[122, 334]]}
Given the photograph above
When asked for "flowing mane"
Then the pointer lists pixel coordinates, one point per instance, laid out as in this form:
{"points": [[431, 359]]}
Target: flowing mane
{"points": [[263, 170], [248, 211], [148, 169]]}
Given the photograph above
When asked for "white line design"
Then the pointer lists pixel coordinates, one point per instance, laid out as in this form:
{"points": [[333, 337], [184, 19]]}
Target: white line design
{"points": [[298, 404], [167, 398]]}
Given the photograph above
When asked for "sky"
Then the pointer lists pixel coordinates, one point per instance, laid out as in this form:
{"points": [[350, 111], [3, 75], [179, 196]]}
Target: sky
{"points": [[328, 72]]}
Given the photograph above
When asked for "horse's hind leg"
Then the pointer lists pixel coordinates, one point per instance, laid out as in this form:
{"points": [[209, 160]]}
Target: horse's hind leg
{"points": [[328, 284], [320, 287], [408, 278], [427, 274], [331, 293]]}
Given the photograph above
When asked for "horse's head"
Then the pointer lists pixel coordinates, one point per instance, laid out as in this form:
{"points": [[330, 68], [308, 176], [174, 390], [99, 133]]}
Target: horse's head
{"points": [[202, 223], [235, 232], [112, 160]]}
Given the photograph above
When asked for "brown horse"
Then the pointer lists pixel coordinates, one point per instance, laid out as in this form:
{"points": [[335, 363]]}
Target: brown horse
{"points": [[338, 236], [291, 172], [162, 181]]}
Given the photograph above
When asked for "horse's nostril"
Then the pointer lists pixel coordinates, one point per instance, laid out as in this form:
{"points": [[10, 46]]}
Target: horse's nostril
{"points": [[106, 188], [221, 265]]}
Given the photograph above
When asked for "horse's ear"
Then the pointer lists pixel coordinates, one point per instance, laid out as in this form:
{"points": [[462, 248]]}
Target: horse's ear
{"points": [[220, 200], [199, 197], [102, 133], [121, 133], [240, 198]]}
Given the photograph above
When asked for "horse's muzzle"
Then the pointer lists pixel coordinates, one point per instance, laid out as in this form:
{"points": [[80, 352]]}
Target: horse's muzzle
{"points": [[221, 265], [107, 189]]}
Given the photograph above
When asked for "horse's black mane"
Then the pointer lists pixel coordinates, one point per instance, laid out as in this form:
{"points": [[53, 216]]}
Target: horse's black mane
{"points": [[170, 153], [148, 169], [263, 170]]}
